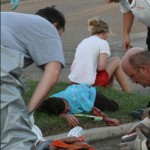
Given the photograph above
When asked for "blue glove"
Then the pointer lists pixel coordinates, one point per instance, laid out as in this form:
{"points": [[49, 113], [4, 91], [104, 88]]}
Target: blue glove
{"points": [[14, 4]]}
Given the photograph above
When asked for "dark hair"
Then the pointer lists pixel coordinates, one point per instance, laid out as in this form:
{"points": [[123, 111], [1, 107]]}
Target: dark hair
{"points": [[53, 16], [53, 106]]}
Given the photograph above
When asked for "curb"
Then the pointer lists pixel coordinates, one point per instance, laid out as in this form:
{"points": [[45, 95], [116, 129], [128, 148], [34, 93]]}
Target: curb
{"points": [[101, 133]]}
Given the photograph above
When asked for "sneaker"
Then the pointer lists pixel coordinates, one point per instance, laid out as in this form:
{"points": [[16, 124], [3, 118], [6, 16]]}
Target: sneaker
{"points": [[137, 114]]}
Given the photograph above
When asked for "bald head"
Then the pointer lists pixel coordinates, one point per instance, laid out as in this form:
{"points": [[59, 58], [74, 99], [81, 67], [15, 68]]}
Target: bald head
{"points": [[136, 64], [126, 63]]}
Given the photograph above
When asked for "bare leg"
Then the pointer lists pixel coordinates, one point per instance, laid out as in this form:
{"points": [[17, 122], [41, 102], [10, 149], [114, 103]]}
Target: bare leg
{"points": [[113, 67]]}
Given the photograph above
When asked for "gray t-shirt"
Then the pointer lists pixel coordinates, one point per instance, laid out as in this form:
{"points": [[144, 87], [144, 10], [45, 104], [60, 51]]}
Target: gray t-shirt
{"points": [[33, 36]]}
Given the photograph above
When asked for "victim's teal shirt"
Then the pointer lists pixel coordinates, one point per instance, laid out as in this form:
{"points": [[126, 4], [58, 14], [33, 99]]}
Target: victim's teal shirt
{"points": [[80, 97]]}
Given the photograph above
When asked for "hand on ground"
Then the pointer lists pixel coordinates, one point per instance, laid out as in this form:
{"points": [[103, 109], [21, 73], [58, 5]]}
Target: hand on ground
{"points": [[72, 120]]}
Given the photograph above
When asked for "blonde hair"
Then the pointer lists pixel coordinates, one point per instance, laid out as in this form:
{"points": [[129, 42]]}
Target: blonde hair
{"points": [[97, 26]]}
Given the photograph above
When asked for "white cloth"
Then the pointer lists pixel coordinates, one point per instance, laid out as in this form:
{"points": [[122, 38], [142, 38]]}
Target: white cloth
{"points": [[36, 129], [84, 66], [76, 131], [139, 8]]}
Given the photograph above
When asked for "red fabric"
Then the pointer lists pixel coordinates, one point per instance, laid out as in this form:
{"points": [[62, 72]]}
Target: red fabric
{"points": [[102, 78], [73, 146]]}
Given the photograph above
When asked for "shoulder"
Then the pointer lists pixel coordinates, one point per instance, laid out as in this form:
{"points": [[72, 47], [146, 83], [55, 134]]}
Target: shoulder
{"points": [[26, 20], [95, 39], [103, 42]]}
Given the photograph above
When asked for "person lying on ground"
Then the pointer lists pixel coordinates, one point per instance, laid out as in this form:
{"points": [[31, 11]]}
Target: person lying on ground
{"points": [[79, 98]]}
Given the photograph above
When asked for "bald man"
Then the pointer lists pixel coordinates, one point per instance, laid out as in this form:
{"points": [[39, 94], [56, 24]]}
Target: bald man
{"points": [[136, 65]]}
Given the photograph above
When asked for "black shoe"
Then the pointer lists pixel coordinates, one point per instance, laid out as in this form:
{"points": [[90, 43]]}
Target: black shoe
{"points": [[137, 114]]}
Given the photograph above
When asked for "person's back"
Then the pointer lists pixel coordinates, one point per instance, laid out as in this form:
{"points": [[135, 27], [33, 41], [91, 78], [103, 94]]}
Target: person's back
{"points": [[87, 56], [91, 64], [30, 35]]}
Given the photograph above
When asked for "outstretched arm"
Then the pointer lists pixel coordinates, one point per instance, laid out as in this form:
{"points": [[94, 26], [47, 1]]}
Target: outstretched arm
{"points": [[71, 119], [51, 74], [109, 121]]}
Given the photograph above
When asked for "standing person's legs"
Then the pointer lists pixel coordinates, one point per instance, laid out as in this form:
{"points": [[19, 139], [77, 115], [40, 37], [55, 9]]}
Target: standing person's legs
{"points": [[16, 131], [148, 38], [113, 67]]}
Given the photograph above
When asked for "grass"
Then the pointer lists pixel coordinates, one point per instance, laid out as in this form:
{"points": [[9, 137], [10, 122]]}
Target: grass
{"points": [[51, 125]]}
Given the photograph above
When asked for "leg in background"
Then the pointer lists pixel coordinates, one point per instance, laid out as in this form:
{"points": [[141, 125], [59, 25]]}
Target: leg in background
{"points": [[113, 67]]}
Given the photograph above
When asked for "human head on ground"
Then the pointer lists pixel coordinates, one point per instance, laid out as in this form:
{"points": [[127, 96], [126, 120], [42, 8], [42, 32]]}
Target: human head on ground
{"points": [[55, 106], [98, 27], [53, 16], [136, 65]]}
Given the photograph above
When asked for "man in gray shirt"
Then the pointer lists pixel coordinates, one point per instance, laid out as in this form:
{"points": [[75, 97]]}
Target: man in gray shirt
{"points": [[25, 39]]}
